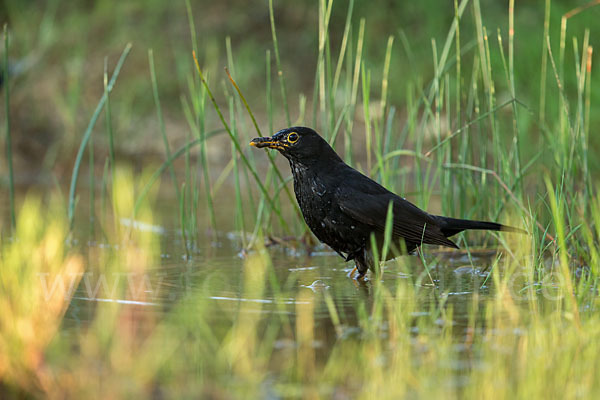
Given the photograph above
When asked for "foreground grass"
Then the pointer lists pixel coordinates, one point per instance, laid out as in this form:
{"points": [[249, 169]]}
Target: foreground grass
{"points": [[527, 338]]}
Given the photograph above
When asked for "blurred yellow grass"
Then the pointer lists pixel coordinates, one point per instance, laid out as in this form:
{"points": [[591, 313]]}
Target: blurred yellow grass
{"points": [[37, 278], [519, 346]]}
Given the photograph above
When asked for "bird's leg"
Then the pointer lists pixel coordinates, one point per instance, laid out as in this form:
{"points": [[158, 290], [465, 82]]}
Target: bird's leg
{"points": [[362, 264], [351, 274], [351, 256]]}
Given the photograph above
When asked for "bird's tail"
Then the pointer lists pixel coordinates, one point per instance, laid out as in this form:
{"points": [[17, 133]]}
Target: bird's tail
{"points": [[452, 226]]}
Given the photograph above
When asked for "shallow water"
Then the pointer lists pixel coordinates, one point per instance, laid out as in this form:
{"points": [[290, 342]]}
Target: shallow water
{"points": [[219, 266], [216, 276]]}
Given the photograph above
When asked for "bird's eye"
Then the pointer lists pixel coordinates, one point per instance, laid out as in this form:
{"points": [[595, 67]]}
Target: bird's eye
{"points": [[292, 137]]}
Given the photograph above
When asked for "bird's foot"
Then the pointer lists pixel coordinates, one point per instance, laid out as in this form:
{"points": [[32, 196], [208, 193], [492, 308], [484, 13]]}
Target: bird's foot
{"points": [[361, 277], [357, 275], [351, 273], [360, 281]]}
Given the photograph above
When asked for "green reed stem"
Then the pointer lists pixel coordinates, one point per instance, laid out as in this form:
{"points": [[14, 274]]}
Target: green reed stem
{"points": [[88, 133], [161, 121], [203, 136], [107, 113], [238, 147], [190, 190], [511, 71], [544, 64], [354, 91], [182, 221], [366, 88], [192, 26], [269, 107], [387, 233], [278, 63], [560, 72], [198, 124], [386, 74], [259, 133], [557, 208], [586, 122], [92, 184], [343, 46], [269, 95], [324, 17], [104, 189], [239, 209]]}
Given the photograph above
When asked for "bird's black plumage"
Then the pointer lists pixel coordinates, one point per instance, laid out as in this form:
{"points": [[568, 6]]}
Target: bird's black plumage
{"points": [[343, 207]]}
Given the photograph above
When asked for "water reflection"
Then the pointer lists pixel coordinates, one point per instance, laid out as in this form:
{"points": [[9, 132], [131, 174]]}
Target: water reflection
{"points": [[217, 271]]}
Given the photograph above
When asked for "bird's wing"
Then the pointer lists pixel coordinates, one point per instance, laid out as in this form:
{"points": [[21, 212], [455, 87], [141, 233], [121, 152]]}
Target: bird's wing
{"points": [[367, 202]]}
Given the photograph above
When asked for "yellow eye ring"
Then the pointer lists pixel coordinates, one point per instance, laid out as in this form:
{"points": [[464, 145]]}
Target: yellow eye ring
{"points": [[292, 137]]}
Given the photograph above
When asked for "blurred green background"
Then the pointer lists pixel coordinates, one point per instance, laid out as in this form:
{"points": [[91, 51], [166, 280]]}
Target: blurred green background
{"points": [[58, 49]]}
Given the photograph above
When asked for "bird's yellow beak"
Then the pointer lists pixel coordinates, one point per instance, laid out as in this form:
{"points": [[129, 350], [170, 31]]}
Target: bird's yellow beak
{"points": [[268, 142]]}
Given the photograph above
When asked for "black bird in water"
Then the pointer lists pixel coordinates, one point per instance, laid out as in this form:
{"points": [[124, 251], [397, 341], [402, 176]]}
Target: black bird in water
{"points": [[343, 207]]}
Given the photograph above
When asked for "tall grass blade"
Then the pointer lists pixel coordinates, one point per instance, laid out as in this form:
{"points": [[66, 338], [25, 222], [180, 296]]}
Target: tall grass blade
{"points": [[88, 133], [544, 64], [354, 91], [161, 122], [278, 63], [107, 113], [92, 186], [259, 133], [343, 47], [239, 148]]}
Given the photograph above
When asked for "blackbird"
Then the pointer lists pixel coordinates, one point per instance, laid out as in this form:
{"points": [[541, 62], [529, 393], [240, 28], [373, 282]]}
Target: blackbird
{"points": [[343, 207]]}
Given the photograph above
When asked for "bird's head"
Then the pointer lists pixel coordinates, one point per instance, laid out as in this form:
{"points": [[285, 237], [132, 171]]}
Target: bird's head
{"points": [[298, 143]]}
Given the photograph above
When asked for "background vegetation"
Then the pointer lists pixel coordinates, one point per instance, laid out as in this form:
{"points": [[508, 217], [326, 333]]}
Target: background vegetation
{"points": [[115, 134]]}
